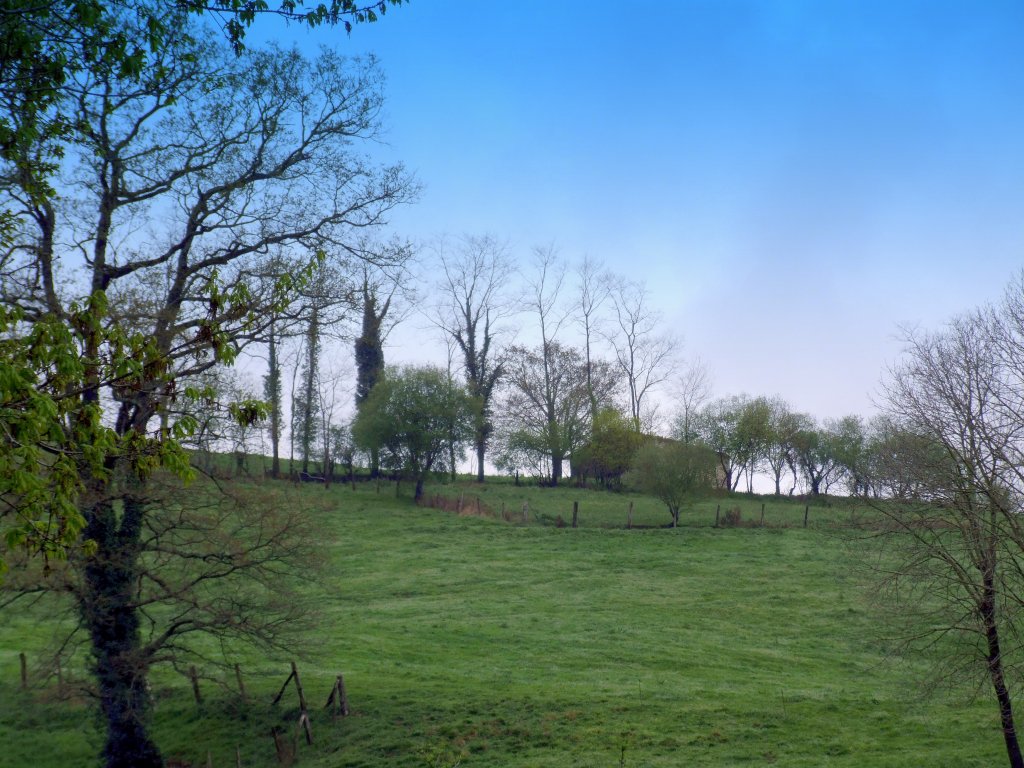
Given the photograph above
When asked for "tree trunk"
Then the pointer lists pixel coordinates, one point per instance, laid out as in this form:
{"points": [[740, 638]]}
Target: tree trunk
{"points": [[273, 389], [481, 447], [995, 670], [374, 464], [109, 614], [419, 487], [556, 469]]}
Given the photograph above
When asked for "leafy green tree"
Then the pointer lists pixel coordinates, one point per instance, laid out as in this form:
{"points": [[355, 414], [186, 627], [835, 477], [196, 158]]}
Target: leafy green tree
{"points": [[753, 436], [848, 439], [783, 424], [233, 156], [674, 472], [411, 418], [609, 452], [814, 450], [717, 426]]}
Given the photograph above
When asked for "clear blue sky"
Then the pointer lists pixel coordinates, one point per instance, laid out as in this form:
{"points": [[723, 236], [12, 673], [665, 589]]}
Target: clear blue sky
{"points": [[793, 179]]}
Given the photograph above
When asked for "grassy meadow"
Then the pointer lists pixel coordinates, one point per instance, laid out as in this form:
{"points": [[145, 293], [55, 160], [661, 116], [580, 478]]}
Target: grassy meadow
{"points": [[478, 641]]}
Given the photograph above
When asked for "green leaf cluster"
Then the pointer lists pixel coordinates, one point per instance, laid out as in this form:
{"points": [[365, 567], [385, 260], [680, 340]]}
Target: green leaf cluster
{"points": [[51, 417]]}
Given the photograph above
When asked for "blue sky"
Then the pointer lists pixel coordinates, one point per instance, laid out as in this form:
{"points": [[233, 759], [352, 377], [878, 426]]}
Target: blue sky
{"points": [[793, 179]]}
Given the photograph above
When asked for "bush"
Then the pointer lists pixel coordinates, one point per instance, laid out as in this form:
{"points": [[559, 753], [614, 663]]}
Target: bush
{"points": [[732, 518]]}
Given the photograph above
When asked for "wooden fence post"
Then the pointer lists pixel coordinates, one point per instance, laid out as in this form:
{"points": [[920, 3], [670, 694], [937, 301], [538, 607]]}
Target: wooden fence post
{"points": [[284, 687], [304, 726], [284, 754], [629, 516], [807, 508], [575, 512], [526, 511], [238, 757], [194, 677], [304, 710], [24, 671], [762, 514], [298, 687], [338, 698], [717, 510]]}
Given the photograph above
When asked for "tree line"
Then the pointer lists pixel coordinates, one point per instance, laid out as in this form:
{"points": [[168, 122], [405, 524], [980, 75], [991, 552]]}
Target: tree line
{"points": [[601, 375]]}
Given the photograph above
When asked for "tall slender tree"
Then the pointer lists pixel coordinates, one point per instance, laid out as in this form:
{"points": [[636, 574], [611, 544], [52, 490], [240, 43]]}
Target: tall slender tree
{"points": [[307, 404], [272, 393], [645, 356], [593, 291], [476, 275]]}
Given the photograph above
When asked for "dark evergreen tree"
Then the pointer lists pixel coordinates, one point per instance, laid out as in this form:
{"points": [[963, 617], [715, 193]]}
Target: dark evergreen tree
{"points": [[306, 404]]}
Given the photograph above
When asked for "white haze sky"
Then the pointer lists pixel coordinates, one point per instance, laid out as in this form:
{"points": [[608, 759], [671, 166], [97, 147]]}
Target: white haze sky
{"points": [[793, 179]]}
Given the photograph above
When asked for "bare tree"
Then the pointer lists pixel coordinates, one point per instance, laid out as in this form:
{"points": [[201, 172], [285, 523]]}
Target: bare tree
{"points": [[544, 291], [692, 390], [226, 566], [540, 379], [474, 286], [959, 538], [644, 356], [593, 291], [330, 388], [546, 408]]}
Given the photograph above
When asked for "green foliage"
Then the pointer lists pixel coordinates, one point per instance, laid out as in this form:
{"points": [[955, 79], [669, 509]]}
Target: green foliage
{"points": [[673, 472], [609, 453], [55, 437], [242, 13], [47, 44], [412, 417]]}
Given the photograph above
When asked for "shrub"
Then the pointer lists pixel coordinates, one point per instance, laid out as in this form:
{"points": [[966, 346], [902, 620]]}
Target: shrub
{"points": [[732, 518]]}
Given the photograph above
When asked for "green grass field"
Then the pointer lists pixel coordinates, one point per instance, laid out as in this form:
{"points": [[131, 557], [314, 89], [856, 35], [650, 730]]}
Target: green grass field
{"points": [[483, 642]]}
